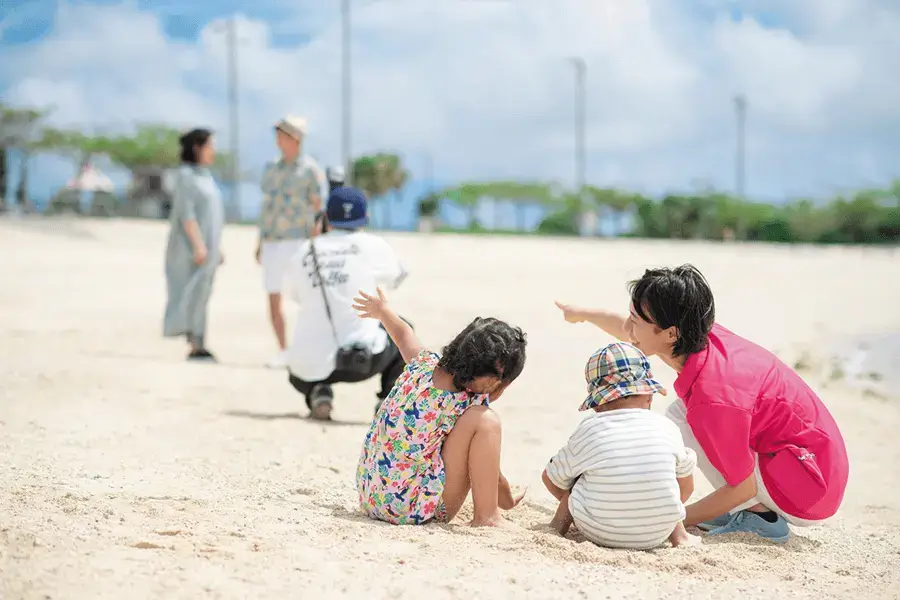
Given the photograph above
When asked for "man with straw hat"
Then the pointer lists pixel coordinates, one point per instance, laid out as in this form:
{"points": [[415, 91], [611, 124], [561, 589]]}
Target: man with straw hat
{"points": [[292, 196]]}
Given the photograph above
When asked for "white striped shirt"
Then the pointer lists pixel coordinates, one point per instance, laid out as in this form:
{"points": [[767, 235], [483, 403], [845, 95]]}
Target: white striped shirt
{"points": [[622, 468]]}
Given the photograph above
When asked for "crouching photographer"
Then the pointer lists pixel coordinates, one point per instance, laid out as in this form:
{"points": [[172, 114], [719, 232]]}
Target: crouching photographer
{"points": [[330, 343]]}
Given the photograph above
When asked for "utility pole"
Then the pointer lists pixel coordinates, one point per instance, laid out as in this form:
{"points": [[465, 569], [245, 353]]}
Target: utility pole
{"points": [[234, 127], [740, 106], [587, 219], [346, 93], [580, 121]]}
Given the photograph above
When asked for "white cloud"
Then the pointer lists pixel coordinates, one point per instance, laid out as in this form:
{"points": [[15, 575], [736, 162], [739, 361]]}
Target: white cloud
{"points": [[486, 88]]}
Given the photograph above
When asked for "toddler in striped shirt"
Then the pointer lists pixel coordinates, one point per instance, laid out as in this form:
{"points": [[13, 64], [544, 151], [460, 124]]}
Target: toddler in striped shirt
{"points": [[625, 474]]}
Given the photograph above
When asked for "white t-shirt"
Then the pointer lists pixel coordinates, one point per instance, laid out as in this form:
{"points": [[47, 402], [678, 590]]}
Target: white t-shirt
{"points": [[622, 467], [349, 262]]}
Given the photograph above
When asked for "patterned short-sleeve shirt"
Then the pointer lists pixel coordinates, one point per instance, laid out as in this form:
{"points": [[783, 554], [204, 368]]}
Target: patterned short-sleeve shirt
{"points": [[400, 477], [287, 207]]}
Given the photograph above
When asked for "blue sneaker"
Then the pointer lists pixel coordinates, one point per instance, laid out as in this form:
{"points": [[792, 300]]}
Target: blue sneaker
{"points": [[720, 521], [746, 521]]}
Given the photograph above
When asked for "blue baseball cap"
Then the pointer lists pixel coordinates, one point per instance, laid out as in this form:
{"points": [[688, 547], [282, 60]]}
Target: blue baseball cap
{"points": [[347, 208]]}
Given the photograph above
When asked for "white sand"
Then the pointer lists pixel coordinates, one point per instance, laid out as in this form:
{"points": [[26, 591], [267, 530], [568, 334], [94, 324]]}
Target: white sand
{"points": [[127, 473]]}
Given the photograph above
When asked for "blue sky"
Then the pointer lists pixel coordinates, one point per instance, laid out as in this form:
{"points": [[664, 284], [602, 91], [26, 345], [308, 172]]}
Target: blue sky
{"points": [[483, 86]]}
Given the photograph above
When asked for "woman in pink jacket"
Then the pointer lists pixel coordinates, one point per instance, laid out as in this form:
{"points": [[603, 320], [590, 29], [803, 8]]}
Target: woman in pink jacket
{"points": [[763, 438]]}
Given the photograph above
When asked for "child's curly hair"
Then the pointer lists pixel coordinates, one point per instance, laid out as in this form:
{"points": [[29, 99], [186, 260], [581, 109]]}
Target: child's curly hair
{"points": [[485, 347]]}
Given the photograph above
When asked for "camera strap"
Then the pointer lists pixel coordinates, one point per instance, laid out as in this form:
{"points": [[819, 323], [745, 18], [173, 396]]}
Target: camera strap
{"points": [[321, 282]]}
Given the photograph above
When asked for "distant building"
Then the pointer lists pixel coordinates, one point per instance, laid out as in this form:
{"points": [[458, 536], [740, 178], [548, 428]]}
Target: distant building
{"points": [[89, 184], [149, 194]]}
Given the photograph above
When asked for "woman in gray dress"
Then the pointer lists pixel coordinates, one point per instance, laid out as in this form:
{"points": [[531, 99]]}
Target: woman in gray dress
{"points": [[193, 253]]}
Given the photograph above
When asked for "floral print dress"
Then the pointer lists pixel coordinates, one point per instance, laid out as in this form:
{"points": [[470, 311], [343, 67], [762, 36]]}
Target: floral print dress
{"points": [[400, 477]]}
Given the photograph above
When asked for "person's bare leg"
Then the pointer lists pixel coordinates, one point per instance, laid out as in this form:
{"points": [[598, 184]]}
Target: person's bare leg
{"points": [[277, 318], [680, 537], [471, 456], [562, 520]]}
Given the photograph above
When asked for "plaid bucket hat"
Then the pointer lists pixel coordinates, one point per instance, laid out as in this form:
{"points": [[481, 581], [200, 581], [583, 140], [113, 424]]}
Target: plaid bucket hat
{"points": [[618, 371]]}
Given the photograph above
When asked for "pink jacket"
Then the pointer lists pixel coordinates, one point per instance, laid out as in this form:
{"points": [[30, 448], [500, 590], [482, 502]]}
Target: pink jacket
{"points": [[743, 403]]}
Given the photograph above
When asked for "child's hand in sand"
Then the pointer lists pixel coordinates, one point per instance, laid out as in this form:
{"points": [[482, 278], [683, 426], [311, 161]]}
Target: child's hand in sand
{"points": [[506, 499], [371, 307], [516, 499]]}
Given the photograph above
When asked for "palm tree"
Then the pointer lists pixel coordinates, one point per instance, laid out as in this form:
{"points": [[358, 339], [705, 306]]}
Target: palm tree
{"points": [[379, 174]]}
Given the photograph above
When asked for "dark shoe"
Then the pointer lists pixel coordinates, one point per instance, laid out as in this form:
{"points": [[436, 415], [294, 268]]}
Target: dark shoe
{"points": [[320, 401], [201, 355]]}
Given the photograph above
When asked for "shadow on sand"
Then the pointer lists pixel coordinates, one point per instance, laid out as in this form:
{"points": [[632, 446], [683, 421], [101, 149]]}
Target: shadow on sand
{"points": [[175, 360], [257, 416]]}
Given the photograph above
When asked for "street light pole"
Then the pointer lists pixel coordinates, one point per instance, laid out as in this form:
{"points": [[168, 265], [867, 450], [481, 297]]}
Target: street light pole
{"points": [[234, 127], [580, 118], [740, 105], [586, 220], [346, 92]]}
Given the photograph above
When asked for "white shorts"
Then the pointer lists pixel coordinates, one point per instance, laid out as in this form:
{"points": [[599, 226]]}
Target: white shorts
{"points": [[677, 413], [274, 257]]}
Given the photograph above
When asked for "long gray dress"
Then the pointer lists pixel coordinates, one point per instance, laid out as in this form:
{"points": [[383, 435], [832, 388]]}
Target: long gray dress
{"points": [[196, 197]]}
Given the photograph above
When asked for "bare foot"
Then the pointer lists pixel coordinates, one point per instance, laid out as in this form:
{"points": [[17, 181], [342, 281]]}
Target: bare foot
{"points": [[495, 520], [680, 537]]}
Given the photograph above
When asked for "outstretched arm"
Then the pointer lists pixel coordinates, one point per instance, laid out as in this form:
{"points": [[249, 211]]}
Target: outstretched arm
{"points": [[376, 307], [611, 323], [402, 334]]}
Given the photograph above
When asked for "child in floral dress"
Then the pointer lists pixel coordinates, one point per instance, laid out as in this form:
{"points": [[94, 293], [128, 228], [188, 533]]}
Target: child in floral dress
{"points": [[435, 436]]}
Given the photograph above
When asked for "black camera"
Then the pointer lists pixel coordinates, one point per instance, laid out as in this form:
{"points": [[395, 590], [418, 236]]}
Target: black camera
{"points": [[354, 359]]}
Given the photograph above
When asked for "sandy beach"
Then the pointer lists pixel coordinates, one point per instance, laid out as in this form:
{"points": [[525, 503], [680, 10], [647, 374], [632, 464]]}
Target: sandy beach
{"points": [[127, 473]]}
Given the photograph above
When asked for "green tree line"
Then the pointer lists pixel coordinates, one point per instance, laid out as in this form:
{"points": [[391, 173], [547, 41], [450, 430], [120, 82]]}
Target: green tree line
{"points": [[148, 146], [155, 146], [870, 216]]}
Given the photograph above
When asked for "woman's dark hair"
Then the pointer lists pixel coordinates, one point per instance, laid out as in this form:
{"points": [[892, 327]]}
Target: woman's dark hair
{"points": [[191, 142], [485, 347], [679, 297]]}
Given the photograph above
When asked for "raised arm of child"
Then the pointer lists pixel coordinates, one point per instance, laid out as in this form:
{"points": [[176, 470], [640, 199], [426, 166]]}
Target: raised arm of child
{"points": [[376, 307]]}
